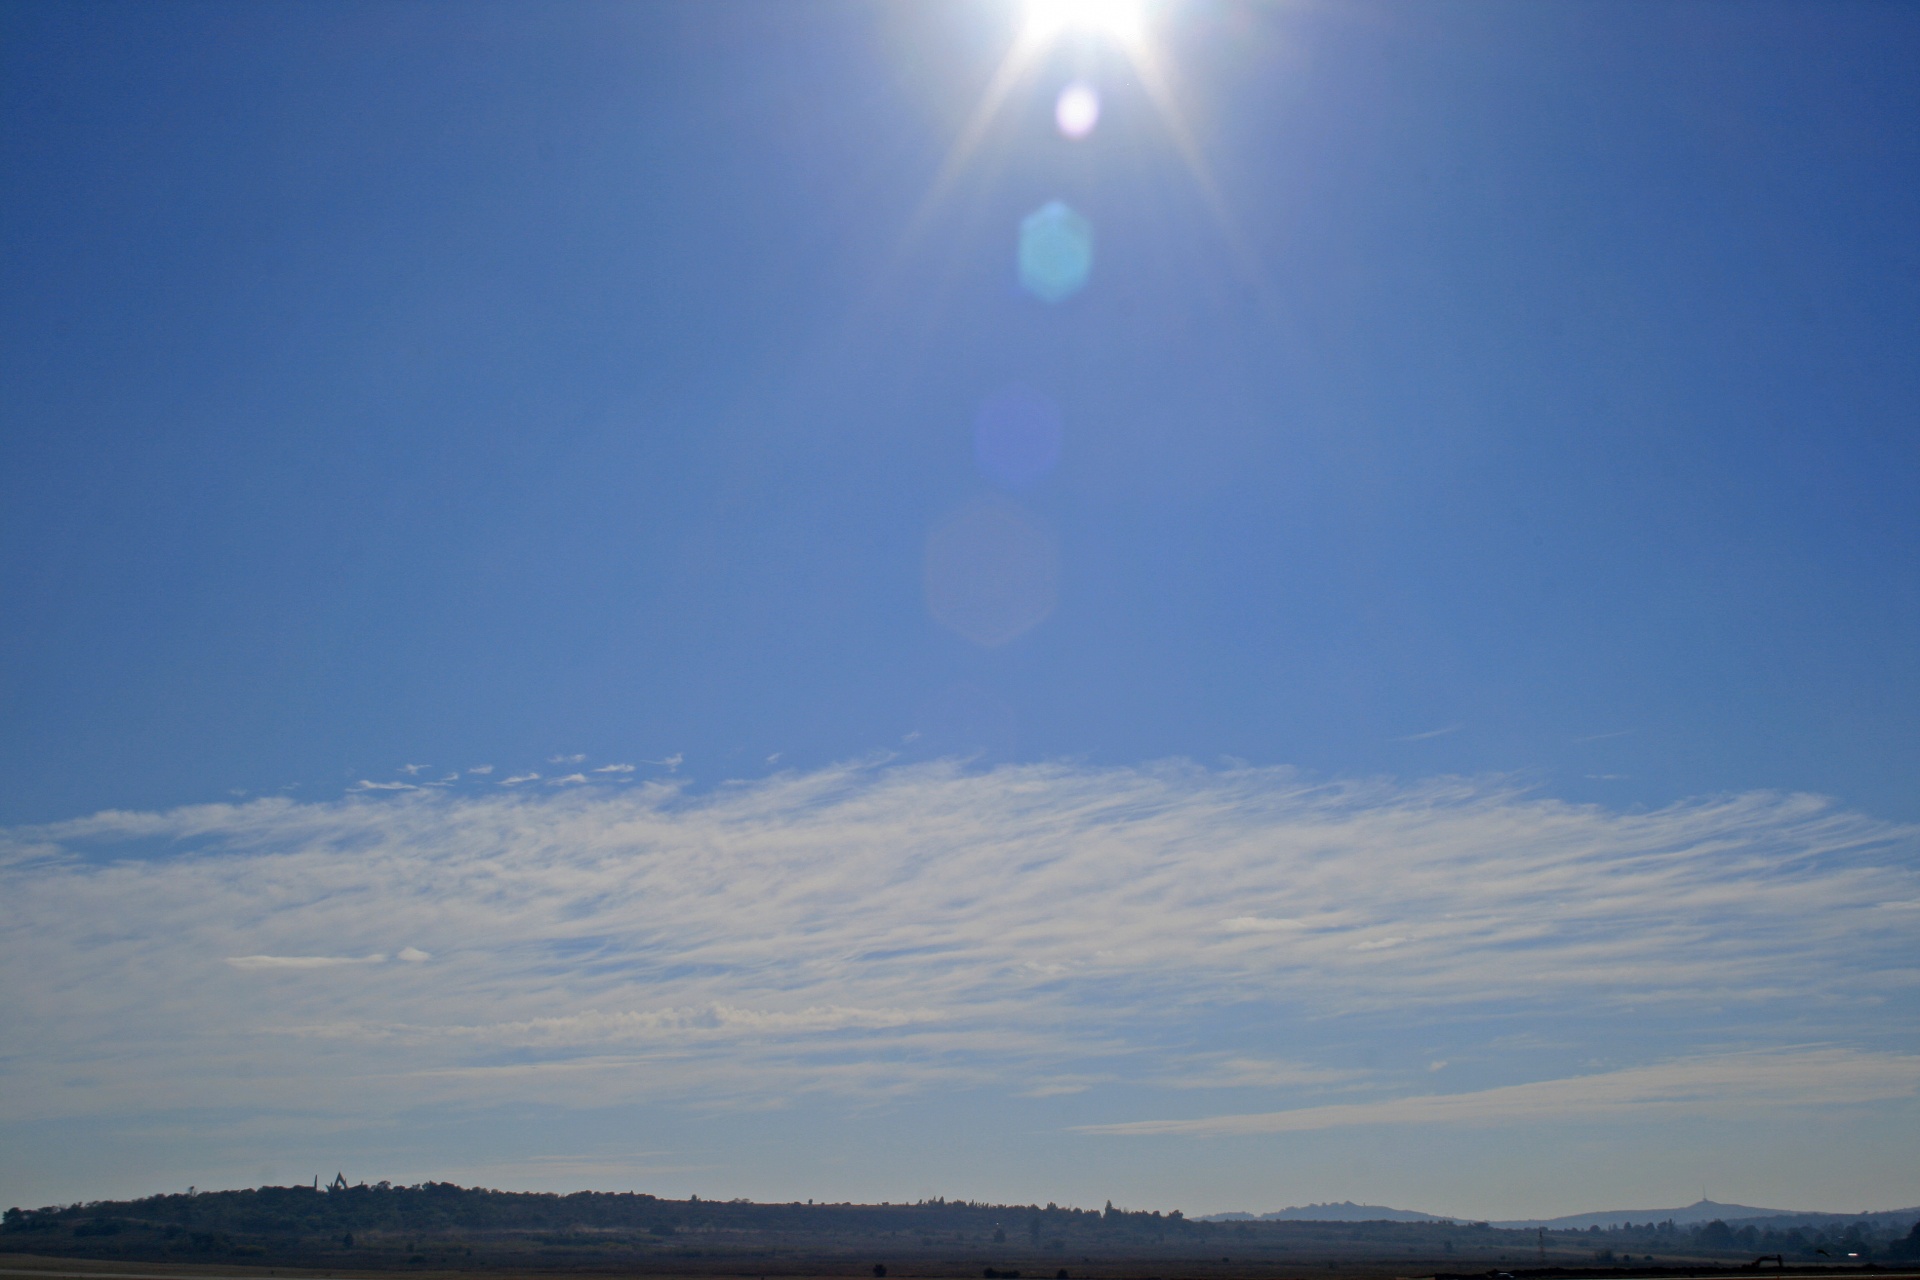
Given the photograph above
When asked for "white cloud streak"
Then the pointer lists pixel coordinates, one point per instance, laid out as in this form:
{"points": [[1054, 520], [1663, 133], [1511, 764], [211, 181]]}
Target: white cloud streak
{"points": [[299, 962], [1726, 1084], [874, 930]]}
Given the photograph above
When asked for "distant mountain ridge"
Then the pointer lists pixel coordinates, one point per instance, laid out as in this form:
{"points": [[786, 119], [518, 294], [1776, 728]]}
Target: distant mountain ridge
{"points": [[1700, 1211], [1344, 1211], [1697, 1212]]}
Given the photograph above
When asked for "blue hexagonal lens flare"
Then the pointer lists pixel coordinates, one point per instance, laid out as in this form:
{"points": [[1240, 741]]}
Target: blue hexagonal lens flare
{"points": [[1056, 252]]}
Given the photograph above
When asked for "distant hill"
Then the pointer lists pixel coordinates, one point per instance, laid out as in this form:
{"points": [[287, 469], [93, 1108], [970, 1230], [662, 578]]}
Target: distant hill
{"points": [[360, 1228], [1344, 1211], [1697, 1212]]}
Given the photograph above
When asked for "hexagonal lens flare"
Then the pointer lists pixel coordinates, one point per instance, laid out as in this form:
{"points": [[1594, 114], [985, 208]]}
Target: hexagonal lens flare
{"points": [[1056, 252]]}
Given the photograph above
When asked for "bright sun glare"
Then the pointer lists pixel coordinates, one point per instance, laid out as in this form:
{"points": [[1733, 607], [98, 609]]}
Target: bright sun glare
{"points": [[1124, 20], [1122, 23]]}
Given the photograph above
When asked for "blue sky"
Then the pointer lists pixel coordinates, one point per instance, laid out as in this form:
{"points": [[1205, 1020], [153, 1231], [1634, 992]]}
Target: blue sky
{"points": [[482, 480]]}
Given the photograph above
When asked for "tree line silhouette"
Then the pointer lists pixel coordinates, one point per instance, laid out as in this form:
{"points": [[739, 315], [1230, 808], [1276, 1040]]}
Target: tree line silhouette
{"points": [[381, 1224]]}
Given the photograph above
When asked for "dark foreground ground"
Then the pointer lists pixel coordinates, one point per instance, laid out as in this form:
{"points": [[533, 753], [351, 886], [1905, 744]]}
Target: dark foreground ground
{"points": [[32, 1267]]}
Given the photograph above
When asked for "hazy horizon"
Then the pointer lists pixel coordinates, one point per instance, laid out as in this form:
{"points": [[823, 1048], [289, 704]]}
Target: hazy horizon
{"points": [[1698, 1213]]}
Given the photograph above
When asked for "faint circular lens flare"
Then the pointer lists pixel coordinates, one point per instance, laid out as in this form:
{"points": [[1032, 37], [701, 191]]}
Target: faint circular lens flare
{"points": [[1016, 437], [992, 573], [1078, 110], [1122, 20]]}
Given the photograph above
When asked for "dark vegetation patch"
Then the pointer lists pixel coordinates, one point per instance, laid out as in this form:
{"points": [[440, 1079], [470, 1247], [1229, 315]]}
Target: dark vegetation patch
{"points": [[438, 1226]]}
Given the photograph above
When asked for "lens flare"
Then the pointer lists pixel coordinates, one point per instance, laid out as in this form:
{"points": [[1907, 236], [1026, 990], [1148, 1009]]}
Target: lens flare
{"points": [[992, 573], [1016, 437], [1077, 110], [1056, 252]]}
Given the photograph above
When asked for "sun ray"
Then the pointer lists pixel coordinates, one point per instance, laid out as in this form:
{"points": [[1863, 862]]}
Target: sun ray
{"points": [[1123, 24], [1005, 77], [1158, 83]]}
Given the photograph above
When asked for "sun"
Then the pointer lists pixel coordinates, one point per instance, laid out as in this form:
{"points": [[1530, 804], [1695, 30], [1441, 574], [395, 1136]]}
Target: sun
{"points": [[1130, 26], [1121, 20]]}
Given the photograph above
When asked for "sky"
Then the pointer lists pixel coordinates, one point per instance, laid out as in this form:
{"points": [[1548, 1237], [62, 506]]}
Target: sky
{"points": [[1215, 605]]}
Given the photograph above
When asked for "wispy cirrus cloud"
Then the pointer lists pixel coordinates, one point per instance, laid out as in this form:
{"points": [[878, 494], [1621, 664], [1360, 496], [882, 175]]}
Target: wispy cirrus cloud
{"points": [[1725, 1083], [300, 962], [1239, 1071], [629, 1026], [872, 931]]}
